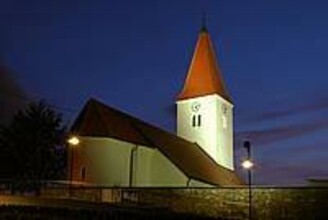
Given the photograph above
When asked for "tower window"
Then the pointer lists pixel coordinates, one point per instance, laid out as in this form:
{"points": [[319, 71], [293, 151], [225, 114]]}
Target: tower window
{"points": [[196, 120], [224, 116]]}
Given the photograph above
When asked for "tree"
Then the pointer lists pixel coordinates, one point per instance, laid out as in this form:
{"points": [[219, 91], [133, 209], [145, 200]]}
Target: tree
{"points": [[31, 146]]}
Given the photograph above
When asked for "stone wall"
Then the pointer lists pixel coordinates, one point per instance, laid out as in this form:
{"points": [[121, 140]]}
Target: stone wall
{"points": [[233, 203], [227, 203], [76, 193]]}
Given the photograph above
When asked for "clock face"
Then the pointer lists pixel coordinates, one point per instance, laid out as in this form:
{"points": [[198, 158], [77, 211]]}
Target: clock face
{"points": [[195, 106]]}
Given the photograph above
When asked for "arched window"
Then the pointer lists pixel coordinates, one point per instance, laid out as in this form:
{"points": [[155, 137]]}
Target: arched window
{"points": [[196, 120]]}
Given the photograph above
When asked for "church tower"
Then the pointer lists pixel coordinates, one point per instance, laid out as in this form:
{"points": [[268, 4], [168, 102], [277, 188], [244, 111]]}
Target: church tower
{"points": [[204, 107]]}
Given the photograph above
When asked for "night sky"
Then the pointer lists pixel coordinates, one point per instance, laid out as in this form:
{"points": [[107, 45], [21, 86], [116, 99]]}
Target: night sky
{"points": [[134, 55]]}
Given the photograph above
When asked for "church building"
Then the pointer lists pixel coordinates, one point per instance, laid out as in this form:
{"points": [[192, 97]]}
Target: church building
{"points": [[117, 149]]}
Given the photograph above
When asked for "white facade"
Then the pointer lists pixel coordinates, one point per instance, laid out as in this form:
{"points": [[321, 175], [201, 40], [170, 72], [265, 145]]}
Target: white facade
{"points": [[208, 121], [111, 162]]}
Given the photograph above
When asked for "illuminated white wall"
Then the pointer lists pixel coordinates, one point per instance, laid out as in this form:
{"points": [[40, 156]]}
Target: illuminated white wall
{"points": [[215, 133], [110, 162], [196, 183], [165, 173], [105, 161], [153, 169]]}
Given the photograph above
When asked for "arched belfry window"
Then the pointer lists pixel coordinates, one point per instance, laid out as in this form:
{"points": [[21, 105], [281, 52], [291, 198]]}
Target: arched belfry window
{"points": [[224, 116], [196, 120]]}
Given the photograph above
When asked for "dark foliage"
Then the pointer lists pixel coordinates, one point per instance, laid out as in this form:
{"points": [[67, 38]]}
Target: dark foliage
{"points": [[31, 146]]}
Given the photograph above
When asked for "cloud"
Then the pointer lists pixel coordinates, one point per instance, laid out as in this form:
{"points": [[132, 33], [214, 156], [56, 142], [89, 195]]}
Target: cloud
{"points": [[317, 104], [278, 174], [277, 134], [311, 148], [280, 170]]}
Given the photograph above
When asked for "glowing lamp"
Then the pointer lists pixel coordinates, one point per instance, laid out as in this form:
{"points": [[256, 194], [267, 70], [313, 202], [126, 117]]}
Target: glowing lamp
{"points": [[247, 164], [73, 140]]}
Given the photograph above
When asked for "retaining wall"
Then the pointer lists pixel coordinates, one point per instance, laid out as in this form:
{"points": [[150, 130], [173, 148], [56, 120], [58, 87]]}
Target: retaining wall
{"points": [[228, 203]]}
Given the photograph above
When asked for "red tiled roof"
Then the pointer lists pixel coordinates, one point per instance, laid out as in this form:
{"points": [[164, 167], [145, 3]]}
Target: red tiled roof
{"points": [[99, 120], [204, 75]]}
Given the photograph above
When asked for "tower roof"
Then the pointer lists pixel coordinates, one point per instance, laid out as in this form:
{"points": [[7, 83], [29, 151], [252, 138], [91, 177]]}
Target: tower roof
{"points": [[204, 75]]}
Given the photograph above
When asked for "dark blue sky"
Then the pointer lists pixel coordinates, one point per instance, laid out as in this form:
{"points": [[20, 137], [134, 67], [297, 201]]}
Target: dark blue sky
{"points": [[134, 55]]}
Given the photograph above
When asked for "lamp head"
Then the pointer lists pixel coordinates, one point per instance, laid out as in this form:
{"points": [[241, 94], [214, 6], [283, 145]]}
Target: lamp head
{"points": [[247, 164], [74, 140], [247, 144]]}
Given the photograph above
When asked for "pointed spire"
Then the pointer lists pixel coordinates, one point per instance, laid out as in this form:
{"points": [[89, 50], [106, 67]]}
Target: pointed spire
{"points": [[204, 75]]}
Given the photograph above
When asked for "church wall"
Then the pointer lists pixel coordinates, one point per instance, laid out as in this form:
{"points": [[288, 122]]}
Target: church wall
{"points": [[196, 183], [165, 173], [111, 162], [106, 161], [142, 166], [225, 132]]}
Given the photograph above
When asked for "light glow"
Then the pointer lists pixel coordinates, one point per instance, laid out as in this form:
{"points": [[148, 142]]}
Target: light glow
{"points": [[73, 140], [247, 164]]}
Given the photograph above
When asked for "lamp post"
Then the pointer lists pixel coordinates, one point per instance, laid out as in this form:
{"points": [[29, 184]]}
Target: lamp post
{"points": [[248, 165], [72, 141]]}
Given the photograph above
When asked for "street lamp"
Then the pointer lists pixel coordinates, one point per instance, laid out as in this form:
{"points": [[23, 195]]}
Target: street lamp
{"points": [[72, 141], [248, 165]]}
